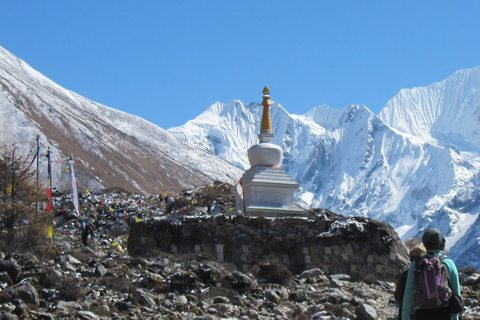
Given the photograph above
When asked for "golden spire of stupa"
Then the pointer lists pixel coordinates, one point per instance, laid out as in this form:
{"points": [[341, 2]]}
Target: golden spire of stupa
{"points": [[266, 126]]}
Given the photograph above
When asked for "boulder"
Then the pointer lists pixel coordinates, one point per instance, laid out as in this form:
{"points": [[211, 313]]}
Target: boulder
{"points": [[365, 312], [87, 315], [239, 281], [311, 273], [26, 260], [13, 269], [25, 292], [100, 270], [5, 280]]}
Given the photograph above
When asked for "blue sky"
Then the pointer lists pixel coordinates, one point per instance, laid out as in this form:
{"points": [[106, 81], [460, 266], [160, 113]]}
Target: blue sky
{"points": [[168, 61]]}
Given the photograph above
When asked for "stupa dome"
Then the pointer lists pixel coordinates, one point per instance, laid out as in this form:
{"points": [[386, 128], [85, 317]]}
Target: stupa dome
{"points": [[265, 154]]}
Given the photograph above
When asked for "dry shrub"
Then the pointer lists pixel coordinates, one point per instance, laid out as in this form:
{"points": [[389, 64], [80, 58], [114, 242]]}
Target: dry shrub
{"points": [[119, 285], [412, 242], [273, 272], [68, 288], [468, 270], [31, 237]]}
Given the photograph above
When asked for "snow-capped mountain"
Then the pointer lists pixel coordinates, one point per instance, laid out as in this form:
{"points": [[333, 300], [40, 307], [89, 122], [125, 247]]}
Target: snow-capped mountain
{"points": [[109, 148], [415, 165]]}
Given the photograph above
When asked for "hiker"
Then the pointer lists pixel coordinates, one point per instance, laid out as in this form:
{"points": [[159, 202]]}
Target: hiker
{"points": [[87, 230], [413, 299], [416, 252], [169, 204]]}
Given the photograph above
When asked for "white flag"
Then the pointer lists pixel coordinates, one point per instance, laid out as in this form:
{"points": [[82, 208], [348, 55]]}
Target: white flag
{"points": [[240, 190], [74, 190]]}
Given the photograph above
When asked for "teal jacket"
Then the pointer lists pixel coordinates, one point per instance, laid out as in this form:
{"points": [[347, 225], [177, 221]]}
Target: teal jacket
{"points": [[409, 296]]}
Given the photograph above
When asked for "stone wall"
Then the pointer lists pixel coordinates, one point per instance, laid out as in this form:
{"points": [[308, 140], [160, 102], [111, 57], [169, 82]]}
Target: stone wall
{"points": [[356, 246]]}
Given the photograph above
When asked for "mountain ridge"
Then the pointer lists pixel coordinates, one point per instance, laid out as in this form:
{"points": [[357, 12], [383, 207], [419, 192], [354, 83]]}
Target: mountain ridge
{"points": [[98, 136], [354, 162], [412, 175]]}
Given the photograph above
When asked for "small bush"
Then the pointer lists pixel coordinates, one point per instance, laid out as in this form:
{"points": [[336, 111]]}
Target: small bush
{"points": [[68, 289], [412, 242], [273, 272], [117, 284], [468, 270]]}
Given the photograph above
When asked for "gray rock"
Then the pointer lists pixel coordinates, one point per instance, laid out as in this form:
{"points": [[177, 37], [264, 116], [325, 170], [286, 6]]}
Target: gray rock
{"points": [[206, 317], [239, 281], [238, 301], [66, 258], [146, 299], [167, 303], [87, 315], [25, 292], [21, 307], [319, 315], [100, 270], [273, 297], [181, 300], [183, 281], [5, 297], [13, 269], [67, 266], [45, 316], [7, 316], [311, 273], [344, 277], [220, 299], [26, 260], [226, 309], [335, 283], [366, 312], [299, 311], [8, 307], [345, 313], [68, 306], [5, 280]]}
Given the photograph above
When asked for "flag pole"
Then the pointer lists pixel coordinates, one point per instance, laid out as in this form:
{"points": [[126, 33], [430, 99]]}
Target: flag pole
{"points": [[36, 188], [49, 194]]}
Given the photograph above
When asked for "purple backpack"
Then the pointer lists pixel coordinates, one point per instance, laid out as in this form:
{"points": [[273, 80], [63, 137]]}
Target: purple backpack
{"points": [[431, 283]]}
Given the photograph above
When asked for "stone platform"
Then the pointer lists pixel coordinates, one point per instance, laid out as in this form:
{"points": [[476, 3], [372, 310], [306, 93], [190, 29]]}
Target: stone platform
{"points": [[355, 246]]}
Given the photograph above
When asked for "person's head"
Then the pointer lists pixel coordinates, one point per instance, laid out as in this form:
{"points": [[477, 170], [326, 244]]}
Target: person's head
{"points": [[417, 251], [433, 240]]}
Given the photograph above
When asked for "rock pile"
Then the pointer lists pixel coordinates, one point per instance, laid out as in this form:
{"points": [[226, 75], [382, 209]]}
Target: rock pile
{"points": [[102, 281], [105, 284]]}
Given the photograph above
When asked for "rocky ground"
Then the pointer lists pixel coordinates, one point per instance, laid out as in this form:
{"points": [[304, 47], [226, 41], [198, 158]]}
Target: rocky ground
{"points": [[102, 281]]}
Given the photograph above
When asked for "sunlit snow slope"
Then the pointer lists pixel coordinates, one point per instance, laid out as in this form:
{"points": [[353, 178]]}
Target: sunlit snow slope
{"points": [[110, 148]]}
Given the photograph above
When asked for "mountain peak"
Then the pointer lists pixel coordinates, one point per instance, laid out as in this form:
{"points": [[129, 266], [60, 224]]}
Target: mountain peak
{"points": [[443, 113], [112, 148], [414, 165]]}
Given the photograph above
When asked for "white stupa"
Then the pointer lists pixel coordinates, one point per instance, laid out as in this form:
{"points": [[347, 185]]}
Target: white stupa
{"points": [[266, 189]]}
